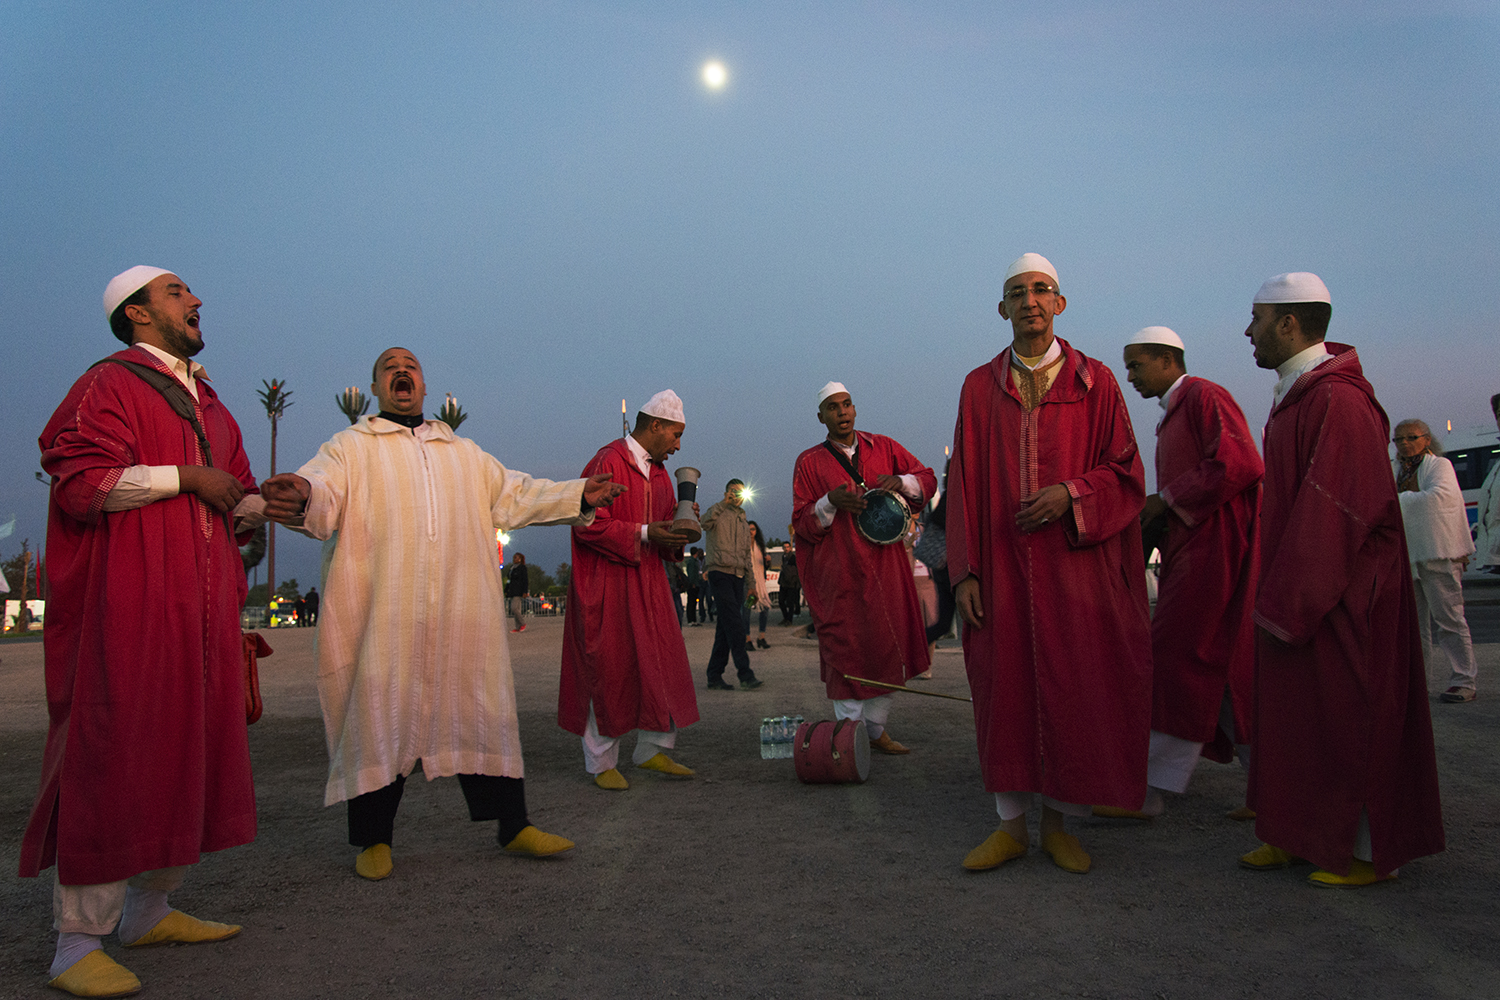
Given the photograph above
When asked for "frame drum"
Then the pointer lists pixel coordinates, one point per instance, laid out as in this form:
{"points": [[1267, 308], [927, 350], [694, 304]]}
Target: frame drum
{"points": [[885, 517]]}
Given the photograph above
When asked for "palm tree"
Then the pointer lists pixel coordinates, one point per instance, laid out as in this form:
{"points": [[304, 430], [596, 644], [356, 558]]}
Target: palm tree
{"points": [[276, 399], [352, 403], [451, 414]]}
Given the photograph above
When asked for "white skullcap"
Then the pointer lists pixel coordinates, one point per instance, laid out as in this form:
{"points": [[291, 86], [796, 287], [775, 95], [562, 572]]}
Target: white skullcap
{"points": [[1030, 262], [665, 405], [125, 284], [1156, 335], [831, 389], [1298, 286]]}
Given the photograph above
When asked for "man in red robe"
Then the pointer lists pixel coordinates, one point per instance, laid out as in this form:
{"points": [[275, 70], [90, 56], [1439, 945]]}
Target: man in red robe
{"points": [[1044, 546], [147, 763], [1208, 477], [1343, 771], [861, 594], [624, 665]]}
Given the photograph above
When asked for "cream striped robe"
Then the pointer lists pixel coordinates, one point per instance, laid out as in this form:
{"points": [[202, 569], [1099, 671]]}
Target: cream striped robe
{"points": [[412, 656]]}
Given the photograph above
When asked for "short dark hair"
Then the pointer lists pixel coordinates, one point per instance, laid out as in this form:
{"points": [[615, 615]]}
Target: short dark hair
{"points": [[1313, 317], [643, 421], [1160, 351], [122, 326], [375, 368], [733, 483]]}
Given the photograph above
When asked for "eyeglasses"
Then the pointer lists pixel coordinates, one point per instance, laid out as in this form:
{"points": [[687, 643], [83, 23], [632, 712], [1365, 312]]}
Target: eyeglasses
{"points": [[1041, 290], [1403, 438]]}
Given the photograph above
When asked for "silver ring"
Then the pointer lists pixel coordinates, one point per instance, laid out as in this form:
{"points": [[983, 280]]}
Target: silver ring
{"points": [[1045, 520]]}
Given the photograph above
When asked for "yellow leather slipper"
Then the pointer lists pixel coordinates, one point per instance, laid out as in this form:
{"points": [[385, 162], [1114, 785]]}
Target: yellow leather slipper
{"points": [[1361, 874], [666, 765], [374, 862], [1067, 853], [179, 928], [611, 780], [997, 849], [97, 975], [535, 844]]}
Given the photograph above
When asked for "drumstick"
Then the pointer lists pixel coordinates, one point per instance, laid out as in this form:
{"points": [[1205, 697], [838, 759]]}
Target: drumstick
{"points": [[898, 687]]}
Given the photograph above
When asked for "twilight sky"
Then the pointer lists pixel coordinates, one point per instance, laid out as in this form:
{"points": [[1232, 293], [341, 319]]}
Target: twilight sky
{"points": [[548, 207]]}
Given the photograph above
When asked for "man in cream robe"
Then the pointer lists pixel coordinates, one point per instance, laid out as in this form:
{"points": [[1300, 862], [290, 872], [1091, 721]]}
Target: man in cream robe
{"points": [[412, 657]]}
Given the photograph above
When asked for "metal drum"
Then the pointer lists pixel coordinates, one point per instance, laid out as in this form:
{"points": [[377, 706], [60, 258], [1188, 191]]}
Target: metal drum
{"points": [[885, 517], [832, 753]]}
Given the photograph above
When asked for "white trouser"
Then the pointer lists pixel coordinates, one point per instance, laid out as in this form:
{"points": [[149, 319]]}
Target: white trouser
{"points": [[601, 753], [1171, 759], [873, 710], [1012, 804], [1440, 602], [95, 909]]}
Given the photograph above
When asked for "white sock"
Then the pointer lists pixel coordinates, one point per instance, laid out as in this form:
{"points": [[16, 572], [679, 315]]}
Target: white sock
{"points": [[144, 909], [70, 948]]}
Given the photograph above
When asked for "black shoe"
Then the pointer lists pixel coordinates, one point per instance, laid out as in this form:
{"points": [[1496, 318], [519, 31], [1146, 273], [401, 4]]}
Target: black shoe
{"points": [[751, 684], [763, 644], [749, 647], [719, 685]]}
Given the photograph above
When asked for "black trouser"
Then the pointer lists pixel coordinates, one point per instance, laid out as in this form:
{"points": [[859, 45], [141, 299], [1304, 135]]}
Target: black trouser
{"points": [[730, 629], [790, 599], [946, 607], [372, 816], [693, 614]]}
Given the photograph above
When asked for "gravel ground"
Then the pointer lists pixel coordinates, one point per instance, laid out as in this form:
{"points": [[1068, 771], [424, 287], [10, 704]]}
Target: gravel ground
{"points": [[745, 883]]}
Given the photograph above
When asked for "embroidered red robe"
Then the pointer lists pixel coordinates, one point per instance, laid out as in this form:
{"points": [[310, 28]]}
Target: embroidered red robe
{"points": [[1060, 671], [622, 644], [862, 595], [1342, 721], [147, 763], [1202, 637]]}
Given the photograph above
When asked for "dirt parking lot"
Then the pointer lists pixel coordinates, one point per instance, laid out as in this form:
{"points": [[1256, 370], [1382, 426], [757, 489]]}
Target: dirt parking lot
{"points": [[745, 883]]}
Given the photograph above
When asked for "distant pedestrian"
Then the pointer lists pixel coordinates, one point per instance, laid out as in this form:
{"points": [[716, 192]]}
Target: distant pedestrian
{"points": [[312, 605], [1439, 547], [762, 594], [728, 536], [517, 587], [1487, 528], [692, 571], [789, 584]]}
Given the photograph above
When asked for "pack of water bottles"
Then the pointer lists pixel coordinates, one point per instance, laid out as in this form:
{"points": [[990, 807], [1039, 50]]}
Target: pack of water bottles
{"points": [[776, 736]]}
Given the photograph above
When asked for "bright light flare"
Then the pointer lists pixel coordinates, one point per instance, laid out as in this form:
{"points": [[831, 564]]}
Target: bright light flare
{"points": [[502, 537], [715, 75], [746, 494]]}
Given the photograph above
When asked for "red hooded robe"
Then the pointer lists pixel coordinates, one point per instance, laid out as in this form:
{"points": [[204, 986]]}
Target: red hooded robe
{"points": [[147, 762], [1061, 669], [1202, 636], [862, 595], [1341, 714], [622, 644]]}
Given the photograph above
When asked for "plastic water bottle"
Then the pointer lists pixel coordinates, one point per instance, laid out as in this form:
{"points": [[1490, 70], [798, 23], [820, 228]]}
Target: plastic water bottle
{"points": [[767, 739]]}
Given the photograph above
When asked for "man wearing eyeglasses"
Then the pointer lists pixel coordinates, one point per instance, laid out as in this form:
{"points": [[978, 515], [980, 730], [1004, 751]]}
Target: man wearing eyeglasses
{"points": [[1342, 769], [1044, 544]]}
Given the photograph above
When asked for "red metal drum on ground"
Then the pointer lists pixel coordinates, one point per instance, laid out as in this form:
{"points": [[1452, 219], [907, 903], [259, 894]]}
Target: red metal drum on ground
{"points": [[832, 753]]}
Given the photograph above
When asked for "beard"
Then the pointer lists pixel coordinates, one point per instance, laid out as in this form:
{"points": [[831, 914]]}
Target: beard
{"points": [[181, 339]]}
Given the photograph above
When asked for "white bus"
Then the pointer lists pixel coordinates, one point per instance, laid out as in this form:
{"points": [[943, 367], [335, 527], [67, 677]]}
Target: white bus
{"points": [[1473, 453]]}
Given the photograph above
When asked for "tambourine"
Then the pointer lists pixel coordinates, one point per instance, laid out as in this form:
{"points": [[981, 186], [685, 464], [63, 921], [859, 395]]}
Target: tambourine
{"points": [[885, 517]]}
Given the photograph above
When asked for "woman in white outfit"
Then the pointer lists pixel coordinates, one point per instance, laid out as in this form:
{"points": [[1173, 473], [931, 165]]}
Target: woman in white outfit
{"points": [[1439, 546]]}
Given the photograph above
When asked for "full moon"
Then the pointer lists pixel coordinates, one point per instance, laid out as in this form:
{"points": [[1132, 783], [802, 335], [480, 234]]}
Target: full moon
{"points": [[714, 74]]}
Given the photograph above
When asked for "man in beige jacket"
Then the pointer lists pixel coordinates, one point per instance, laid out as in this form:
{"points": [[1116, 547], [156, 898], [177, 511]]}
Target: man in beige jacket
{"points": [[726, 532]]}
